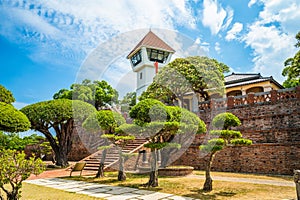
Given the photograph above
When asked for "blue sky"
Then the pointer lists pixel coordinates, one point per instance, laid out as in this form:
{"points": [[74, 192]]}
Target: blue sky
{"points": [[47, 45]]}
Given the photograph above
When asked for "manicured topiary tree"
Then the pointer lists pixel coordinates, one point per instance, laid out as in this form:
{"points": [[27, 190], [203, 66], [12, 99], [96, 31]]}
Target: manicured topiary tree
{"points": [[12, 120], [108, 121], [220, 140], [61, 115], [159, 123]]}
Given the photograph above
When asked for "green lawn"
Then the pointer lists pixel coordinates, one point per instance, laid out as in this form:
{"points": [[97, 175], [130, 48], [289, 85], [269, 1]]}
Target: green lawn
{"points": [[191, 187]]}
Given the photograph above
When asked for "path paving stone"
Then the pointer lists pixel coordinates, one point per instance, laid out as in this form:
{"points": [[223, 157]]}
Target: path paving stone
{"points": [[104, 191], [156, 195]]}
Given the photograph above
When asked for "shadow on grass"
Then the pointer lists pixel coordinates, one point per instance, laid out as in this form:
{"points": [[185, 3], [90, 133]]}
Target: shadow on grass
{"points": [[140, 186], [201, 194]]}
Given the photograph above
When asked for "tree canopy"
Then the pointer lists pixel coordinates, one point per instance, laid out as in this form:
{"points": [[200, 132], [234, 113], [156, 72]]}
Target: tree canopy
{"points": [[97, 93], [201, 75], [6, 96], [161, 124], [292, 68], [60, 115], [12, 120]]}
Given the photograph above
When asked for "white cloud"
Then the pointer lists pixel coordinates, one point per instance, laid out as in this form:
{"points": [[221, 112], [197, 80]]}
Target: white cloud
{"points": [[251, 3], [19, 105], [272, 36], [234, 31], [75, 28], [214, 16], [217, 47]]}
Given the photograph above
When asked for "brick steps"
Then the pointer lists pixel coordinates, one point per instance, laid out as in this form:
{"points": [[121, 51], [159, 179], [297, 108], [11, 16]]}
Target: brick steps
{"points": [[112, 156]]}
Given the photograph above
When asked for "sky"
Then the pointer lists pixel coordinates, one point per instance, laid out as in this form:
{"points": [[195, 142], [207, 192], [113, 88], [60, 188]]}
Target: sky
{"points": [[48, 45]]}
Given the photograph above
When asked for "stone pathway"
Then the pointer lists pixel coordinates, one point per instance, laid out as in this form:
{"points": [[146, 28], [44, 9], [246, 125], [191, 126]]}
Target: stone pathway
{"points": [[104, 191]]}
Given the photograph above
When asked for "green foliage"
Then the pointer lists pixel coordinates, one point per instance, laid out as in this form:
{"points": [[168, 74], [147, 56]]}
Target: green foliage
{"points": [[14, 169], [128, 101], [149, 110], [47, 113], [292, 68], [104, 119], [225, 120], [159, 145], [226, 134], [213, 145], [14, 142], [159, 92], [12, 120], [191, 74], [60, 114], [241, 141], [6, 96], [97, 93]]}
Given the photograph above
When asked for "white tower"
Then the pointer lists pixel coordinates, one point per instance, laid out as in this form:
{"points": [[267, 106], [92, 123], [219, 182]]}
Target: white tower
{"points": [[150, 54]]}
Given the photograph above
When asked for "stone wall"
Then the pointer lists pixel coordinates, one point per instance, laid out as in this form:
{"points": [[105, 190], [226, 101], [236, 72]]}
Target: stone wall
{"points": [[271, 120]]}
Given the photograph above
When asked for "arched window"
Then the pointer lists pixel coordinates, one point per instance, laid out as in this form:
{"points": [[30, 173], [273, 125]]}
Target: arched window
{"points": [[234, 93], [255, 90]]}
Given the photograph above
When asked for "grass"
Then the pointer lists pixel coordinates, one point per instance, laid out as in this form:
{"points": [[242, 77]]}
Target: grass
{"points": [[245, 175], [191, 187], [35, 192]]}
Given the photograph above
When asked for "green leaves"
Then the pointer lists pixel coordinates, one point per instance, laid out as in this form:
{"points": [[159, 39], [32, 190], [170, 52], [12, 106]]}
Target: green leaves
{"points": [[226, 137], [104, 119], [45, 114], [15, 168], [97, 93], [225, 120], [12, 120], [226, 134], [292, 68], [6, 96], [149, 110], [241, 141]]}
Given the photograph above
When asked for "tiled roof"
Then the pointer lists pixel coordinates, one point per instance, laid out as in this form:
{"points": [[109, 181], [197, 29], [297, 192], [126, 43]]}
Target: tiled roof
{"points": [[241, 77], [152, 40], [233, 80]]}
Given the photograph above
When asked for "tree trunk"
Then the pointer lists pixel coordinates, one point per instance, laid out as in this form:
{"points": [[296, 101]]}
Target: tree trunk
{"points": [[61, 158], [121, 174], [208, 180], [153, 179], [100, 172]]}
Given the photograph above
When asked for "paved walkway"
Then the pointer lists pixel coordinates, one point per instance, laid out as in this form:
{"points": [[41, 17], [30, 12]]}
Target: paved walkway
{"points": [[50, 179], [104, 191]]}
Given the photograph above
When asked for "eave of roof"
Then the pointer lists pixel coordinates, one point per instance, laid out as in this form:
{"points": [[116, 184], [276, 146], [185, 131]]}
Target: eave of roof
{"points": [[151, 40]]}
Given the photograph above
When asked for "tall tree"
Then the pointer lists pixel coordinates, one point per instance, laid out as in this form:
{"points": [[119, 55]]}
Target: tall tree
{"points": [[158, 122], [62, 115], [97, 93], [201, 75], [220, 140], [292, 68]]}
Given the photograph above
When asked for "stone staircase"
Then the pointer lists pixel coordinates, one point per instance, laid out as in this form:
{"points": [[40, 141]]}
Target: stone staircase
{"points": [[112, 156]]}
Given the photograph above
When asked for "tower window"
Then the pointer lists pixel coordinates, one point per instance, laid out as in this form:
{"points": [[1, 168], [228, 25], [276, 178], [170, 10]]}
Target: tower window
{"points": [[157, 55], [141, 75], [136, 58]]}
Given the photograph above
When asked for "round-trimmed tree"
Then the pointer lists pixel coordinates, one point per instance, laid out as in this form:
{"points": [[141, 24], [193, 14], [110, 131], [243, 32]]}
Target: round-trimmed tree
{"points": [[160, 123], [61, 115], [221, 139]]}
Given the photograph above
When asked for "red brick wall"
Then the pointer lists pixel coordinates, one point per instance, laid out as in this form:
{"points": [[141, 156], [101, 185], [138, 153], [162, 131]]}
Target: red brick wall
{"points": [[274, 127]]}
